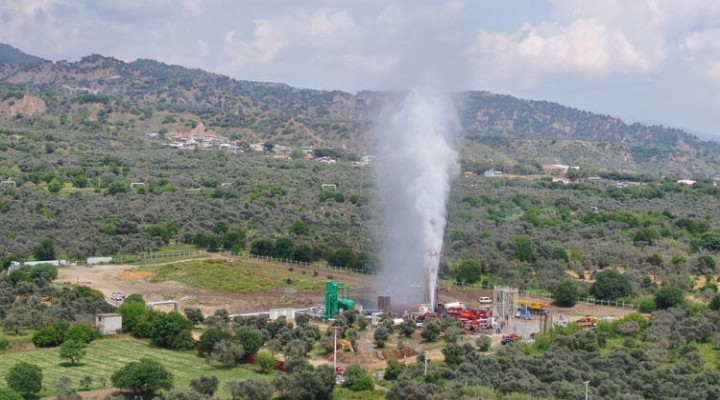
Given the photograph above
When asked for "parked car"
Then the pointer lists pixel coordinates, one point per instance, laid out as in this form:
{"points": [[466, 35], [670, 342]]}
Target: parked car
{"points": [[485, 300], [510, 338], [117, 296]]}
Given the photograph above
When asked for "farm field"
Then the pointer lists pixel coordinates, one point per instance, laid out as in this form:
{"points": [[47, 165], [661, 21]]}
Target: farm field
{"points": [[235, 276], [236, 284], [106, 356]]}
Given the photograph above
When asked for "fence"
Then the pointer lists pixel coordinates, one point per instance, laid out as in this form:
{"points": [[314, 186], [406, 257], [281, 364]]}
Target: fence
{"points": [[143, 258], [527, 293], [594, 301]]}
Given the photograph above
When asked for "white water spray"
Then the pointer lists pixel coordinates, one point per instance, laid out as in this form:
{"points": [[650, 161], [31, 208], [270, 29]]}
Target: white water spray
{"points": [[417, 162]]}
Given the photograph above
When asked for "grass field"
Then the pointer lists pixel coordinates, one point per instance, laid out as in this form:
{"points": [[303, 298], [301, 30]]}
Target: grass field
{"points": [[236, 276], [106, 356]]}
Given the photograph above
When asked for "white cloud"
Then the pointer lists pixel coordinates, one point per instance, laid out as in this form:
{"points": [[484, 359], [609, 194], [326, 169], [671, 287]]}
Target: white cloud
{"points": [[583, 46], [322, 24], [696, 42], [270, 38]]}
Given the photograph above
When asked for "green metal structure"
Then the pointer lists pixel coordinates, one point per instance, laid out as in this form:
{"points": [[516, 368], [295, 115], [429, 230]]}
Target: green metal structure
{"points": [[336, 299]]}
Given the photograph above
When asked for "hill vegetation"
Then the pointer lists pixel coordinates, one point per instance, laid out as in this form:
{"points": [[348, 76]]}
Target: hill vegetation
{"points": [[89, 172]]}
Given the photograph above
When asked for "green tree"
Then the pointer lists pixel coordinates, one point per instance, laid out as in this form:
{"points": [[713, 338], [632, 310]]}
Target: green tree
{"points": [[251, 389], [317, 383], [381, 335], [262, 247], [523, 248], [284, 248], [195, 315], [49, 336], [393, 369], [668, 296], [357, 379], [431, 329], [45, 250], [469, 271], [304, 252], [611, 285], [205, 385], [715, 303], [171, 331], [566, 294], [227, 353], [299, 227], [55, 185], [266, 361], [72, 350], [143, 378], [210, 338], [483, 343], [250, 339], [24, 378], [80, 332], [407, 328], [132, 311]]}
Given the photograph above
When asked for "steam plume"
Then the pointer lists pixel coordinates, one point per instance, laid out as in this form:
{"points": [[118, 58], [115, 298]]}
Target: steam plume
{"points": [[416, 164]]}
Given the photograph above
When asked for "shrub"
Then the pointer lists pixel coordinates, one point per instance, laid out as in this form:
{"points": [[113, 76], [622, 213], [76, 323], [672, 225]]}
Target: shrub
{"points": [[9, 394], [80, 332], [4, 343], [667, 297], [49, 336], [266, 361]]}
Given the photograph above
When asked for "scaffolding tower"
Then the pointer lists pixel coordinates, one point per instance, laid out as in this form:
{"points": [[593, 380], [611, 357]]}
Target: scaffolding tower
{"points": [[505, 302]]}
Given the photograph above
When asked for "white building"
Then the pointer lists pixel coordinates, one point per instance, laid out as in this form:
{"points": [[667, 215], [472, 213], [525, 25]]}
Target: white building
{"points": [[108, 324]]}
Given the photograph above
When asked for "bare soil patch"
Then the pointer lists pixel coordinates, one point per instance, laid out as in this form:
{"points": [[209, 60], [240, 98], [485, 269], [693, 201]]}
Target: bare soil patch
{"points": [[122, 278]]}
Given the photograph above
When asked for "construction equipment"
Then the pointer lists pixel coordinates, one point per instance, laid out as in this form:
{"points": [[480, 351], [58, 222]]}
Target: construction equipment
{"points": [[346, 343], [534, 306], [587, 322], [336, 299]]}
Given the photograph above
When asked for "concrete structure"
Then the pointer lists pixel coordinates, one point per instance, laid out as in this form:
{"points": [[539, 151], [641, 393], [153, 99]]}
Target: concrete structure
{"points": [[288, 313], [108, 324], [491, 173], [16, 265], [98, 260], [152, 304]]}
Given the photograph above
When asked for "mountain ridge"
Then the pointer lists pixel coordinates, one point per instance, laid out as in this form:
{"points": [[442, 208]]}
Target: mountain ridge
{"points": [[10, 54], [506, 129]]}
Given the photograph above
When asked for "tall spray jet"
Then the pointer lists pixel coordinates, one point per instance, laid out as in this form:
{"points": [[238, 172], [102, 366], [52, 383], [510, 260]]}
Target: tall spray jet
{"points": [[417, 162]]}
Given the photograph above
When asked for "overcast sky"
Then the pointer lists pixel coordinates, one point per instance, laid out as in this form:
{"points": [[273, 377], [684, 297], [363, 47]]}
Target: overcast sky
{"points": [[650, 61]]}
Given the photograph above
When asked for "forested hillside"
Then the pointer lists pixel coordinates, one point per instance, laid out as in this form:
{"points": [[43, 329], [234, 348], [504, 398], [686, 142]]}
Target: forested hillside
{"points": [[102, 93], [89, 170]]}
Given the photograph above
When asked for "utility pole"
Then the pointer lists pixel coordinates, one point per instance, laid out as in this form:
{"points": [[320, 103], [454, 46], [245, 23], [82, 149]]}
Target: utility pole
{"points": [[336, 330], [425, 359], [587, 383]]}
